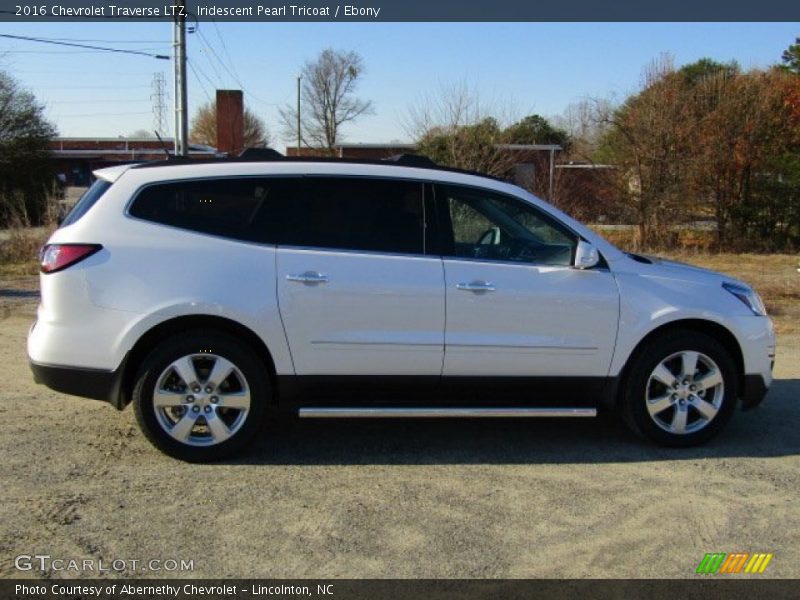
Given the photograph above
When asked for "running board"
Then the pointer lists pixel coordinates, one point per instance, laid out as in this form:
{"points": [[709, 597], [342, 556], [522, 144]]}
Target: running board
{"points": [[356, 413]]}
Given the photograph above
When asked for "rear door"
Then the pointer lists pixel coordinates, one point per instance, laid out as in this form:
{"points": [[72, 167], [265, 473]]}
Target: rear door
{"points": [[358, 296]]}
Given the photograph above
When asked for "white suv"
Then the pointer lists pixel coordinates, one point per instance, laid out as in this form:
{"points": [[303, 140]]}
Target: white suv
{"points": [[211, 293]]}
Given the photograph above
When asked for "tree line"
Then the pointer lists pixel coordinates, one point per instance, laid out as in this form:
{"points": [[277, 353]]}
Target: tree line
{"points": [[707, 142]]}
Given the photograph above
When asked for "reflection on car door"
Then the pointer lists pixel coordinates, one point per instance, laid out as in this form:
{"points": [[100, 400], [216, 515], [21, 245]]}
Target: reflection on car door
{"points": [[516, 310]]}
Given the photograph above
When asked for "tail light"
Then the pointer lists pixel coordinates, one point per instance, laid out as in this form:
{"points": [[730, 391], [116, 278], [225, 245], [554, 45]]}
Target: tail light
{"points": [[57, 257]]}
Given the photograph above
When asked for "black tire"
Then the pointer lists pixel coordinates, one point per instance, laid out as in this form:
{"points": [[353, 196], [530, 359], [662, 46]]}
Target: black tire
{"points": [[633, 398], [199, 344]]}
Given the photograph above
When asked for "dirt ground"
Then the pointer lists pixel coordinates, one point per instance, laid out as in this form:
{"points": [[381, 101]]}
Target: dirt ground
{"points": [[492, 498]]}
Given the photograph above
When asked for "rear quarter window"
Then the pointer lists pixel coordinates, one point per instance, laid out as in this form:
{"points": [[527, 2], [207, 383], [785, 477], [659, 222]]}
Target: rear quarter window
{"points": [[223, 207], [87, 201]]}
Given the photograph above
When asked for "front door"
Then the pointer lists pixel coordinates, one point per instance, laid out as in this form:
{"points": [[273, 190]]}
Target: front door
{"points": [[518, 315]]}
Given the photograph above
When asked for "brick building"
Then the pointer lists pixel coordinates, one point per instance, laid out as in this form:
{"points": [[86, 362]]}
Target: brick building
{"points": [[77, 157]]}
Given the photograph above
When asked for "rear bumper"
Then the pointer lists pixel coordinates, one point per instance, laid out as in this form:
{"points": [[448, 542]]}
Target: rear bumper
{"points": [[87, 383], [755, 389]]}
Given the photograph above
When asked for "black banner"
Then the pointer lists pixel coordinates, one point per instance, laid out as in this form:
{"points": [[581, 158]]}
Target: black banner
{"points": [[402, 10], [701, 587]]}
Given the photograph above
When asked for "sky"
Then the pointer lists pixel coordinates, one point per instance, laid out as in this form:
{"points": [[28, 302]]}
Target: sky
{"points": [[532, 67]]}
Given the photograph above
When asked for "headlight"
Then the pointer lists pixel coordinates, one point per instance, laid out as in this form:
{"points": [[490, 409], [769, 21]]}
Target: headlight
{"points": [[748, 297]]}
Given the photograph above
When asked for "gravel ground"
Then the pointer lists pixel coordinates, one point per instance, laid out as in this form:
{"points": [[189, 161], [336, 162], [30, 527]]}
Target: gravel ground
{"points": [[506, 498]]}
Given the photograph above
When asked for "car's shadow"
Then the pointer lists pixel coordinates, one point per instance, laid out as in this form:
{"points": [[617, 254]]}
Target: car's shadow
{"points": [[15, 293], [770, 430]]}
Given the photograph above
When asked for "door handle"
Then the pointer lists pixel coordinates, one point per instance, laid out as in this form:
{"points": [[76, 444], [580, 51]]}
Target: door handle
{"points": [[476, 286], [310, 277]]}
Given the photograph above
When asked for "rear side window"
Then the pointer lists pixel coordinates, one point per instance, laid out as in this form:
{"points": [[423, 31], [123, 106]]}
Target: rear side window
{"points": [[317, 212], [379, 215], [225, 207], [87, 201]]}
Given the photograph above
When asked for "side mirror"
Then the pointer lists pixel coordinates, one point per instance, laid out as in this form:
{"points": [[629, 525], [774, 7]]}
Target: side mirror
{"points": [[586, 256]]}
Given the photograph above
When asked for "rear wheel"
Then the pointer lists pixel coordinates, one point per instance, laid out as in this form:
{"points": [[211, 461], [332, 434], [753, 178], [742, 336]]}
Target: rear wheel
{"points": [[200, 396], [681, 389]]}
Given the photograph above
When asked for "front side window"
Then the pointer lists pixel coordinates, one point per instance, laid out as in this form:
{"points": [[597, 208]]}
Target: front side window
{"points": [[494, 227], [349, 213]]}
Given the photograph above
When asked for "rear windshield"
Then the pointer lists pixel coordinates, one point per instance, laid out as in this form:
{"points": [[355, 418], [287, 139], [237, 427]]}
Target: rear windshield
{"points": [[87, 201]]}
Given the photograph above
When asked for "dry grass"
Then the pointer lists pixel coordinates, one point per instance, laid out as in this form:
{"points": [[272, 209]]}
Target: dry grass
{"points": [[19, 250], [691, 240]]}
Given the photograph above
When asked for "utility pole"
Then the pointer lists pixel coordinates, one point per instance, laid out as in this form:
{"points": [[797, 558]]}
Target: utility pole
{"points": [[179, 58], [299, 137]]}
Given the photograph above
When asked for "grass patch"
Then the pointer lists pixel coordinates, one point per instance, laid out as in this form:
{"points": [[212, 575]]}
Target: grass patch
{"points": [[19, 250], [688, 239]]}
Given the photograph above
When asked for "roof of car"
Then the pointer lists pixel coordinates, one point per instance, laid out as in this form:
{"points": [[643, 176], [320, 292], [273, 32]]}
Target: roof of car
{"points": [[185, 169], [267, 155]]}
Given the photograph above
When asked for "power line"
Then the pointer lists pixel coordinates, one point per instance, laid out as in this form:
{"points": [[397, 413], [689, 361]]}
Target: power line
{"points": [[216, 56], [110, 41], [210, 62], [200, 81], [110, 100], [68, 71], [98, 48], [232, 75], [122, 114], [225, 48], [91, 87], [62, 52]]}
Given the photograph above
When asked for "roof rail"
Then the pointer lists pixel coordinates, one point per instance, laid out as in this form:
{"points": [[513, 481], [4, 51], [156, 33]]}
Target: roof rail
{"points": [[262, 154], [271, 155], [411, 160]]}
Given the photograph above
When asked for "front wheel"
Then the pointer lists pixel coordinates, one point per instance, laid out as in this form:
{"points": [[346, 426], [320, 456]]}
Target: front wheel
{"points": [[200, 396], [681, 389]]}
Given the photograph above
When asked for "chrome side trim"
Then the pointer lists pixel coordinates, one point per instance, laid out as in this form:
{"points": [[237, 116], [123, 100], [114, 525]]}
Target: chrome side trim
{"points": [[371, 343], [521, 347], [405, 413]]}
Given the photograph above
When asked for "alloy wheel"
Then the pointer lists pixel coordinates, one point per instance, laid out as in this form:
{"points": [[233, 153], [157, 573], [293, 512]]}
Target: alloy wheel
{"points": [[684, 392], [201, 399]]}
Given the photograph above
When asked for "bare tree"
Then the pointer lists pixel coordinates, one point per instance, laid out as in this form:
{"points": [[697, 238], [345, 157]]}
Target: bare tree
{"points": [[585, 126], [454, 127], [204, 128], [328, 99]]}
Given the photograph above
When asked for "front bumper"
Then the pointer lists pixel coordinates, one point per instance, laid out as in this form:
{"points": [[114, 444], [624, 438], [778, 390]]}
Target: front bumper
{"points": [[87, 383], [756, 337]]}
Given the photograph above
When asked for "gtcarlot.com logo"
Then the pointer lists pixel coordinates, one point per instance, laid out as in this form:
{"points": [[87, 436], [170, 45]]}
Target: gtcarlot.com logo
{"points": [[46, 563], [718, 563]]}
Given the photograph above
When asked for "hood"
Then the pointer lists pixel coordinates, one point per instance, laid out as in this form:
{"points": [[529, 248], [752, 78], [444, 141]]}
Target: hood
{"points": [[651, 266]]}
